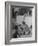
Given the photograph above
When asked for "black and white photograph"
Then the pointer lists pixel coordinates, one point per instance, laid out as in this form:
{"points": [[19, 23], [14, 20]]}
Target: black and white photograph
{"points": [[20, 22]]}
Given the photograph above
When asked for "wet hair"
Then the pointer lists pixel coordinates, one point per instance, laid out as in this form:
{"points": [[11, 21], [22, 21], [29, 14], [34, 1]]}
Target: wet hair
{"points": [[23, 22], [22, 11]]}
